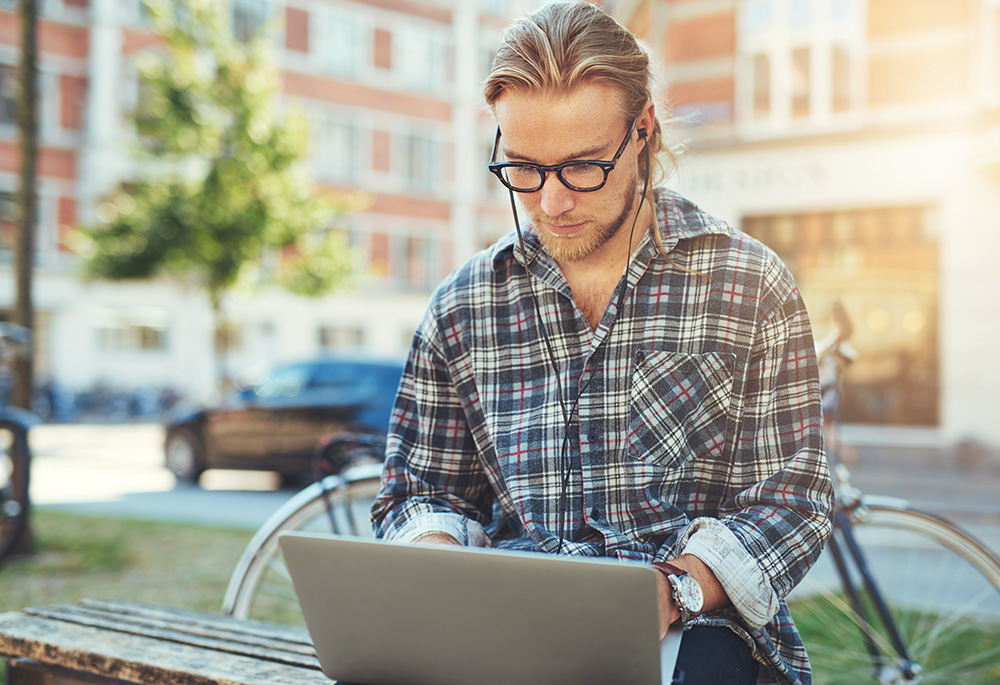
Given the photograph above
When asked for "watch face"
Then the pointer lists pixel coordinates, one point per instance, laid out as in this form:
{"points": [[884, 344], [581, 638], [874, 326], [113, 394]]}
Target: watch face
{"points": [[691, 591]]}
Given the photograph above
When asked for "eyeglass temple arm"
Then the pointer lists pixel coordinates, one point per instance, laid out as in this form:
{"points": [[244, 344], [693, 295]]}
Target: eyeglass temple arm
{"points": [[496, 146]]}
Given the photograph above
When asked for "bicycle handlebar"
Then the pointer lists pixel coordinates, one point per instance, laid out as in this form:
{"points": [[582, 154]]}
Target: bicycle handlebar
{"points": [[845, 329], [836, 344]]}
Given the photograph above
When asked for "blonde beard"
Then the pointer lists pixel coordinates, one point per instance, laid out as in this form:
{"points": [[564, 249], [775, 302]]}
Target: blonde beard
{"points": [[578, 248]]}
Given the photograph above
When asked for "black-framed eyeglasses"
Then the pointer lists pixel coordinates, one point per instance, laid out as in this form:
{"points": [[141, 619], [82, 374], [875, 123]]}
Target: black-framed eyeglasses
{"points": [[584, 176]]}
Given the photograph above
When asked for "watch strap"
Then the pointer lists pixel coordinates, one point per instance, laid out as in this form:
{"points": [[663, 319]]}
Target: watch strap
{"points": [[668, 568]]}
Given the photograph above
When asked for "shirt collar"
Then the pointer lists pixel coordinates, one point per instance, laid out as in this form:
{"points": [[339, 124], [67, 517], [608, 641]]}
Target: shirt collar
{"points": [[679, 219]]}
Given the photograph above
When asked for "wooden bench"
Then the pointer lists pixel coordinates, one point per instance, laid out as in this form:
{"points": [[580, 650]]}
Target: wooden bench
{"points": [[132, 642]]}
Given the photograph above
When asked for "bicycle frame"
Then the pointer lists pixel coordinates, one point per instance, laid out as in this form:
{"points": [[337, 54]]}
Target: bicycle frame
{"points": [[848, 503], [842, 525]]}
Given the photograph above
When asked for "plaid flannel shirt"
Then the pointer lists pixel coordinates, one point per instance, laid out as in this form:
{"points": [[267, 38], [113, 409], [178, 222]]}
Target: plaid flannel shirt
{"points": [[690, 420]]}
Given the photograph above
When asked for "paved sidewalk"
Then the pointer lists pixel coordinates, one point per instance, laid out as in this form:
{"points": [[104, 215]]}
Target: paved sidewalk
{"points": [[118, 470]]}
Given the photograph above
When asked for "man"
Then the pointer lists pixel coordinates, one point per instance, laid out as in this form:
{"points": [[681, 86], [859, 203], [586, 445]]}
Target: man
{"points": [[624, 376]]}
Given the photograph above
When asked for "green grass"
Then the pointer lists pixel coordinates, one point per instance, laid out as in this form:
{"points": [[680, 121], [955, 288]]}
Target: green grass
{"points": [[970, 646], [89, 557], [94, 557]]}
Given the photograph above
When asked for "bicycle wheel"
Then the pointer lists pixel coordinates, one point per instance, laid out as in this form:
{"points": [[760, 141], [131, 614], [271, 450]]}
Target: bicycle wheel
{"points": [[942, 588], [260, 587], [14, 465]]}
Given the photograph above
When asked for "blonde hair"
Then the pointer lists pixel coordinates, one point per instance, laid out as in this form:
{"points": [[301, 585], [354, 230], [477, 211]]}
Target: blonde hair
{"points": [[567, 44]]}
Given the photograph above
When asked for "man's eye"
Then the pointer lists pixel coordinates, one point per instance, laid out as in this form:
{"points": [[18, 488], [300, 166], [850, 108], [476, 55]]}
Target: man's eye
{"points": [[583, 170]]}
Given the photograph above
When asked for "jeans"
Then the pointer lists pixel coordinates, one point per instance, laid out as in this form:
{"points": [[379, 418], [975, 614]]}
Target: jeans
{"points": [[713, 655]]}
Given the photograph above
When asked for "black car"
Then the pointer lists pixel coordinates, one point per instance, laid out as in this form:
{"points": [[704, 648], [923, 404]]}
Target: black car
{"points": [[277, 424]]}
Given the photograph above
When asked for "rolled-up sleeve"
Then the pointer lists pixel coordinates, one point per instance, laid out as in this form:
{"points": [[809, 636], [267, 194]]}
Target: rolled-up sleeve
{"points": [[776, 528]]}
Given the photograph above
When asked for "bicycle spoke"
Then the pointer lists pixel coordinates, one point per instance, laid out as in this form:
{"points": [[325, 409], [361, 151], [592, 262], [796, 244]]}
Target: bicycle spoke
{"points": [[277, 565]]}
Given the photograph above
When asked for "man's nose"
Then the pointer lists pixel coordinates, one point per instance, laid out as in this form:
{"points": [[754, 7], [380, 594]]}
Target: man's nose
{"points": [[556, 199]]}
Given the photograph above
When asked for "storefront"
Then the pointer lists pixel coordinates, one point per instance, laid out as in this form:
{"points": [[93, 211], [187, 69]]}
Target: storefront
{"points": [[903, 230]]}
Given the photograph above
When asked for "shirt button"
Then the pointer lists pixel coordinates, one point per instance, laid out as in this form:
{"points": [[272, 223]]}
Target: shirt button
{"points": [[595, 513]]}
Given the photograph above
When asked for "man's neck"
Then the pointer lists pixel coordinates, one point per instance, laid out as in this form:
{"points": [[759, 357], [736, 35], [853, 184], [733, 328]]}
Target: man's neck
{"points": [[593, 280]]}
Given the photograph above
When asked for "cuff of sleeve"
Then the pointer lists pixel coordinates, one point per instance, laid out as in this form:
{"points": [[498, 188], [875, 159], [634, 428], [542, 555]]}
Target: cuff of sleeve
{"points": [[467, 532], [749, 591]]}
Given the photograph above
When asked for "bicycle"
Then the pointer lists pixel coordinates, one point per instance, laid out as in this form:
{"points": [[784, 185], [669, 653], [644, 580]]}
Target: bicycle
{"points": [[899, 595], [15, 455]]}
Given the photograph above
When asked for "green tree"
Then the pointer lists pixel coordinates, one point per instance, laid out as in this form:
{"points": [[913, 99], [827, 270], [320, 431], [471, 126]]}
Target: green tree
{"points": [[220, 187]]}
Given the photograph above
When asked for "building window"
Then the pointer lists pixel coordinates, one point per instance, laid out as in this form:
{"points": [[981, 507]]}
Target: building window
{"points": [[882, 264], [339, 337], [131, 330], [843, 60], [420, 155], [8, 221], [761, 79], [341, 45], [335, 151], [406, 260], [801, 62], [801, 82], [228, 337], [249, 17], [415, 260], [8, 94], [420, 56]]}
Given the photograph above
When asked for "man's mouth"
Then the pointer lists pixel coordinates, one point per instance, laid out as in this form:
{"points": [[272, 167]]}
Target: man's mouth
{"points": [[564, 229]]}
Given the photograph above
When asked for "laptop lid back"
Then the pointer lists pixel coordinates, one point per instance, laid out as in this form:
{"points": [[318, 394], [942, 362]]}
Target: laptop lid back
{"points": [[383, 614]]}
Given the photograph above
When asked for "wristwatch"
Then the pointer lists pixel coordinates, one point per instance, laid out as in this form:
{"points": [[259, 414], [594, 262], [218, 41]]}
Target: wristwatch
{"points": [[688, 596]]}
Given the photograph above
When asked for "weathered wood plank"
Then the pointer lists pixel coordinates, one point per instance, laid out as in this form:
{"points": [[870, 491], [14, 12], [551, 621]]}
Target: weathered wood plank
{"points": [[250, 627], [136, 658], [194, 634], [28, 672]]}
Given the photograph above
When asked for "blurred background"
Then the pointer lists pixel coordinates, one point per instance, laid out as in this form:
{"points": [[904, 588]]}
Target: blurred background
{"points": [[860, 139]]}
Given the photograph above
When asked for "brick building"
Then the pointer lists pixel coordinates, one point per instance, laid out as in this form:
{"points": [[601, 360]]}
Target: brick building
{"points": [[861, 140], [391, 91]]}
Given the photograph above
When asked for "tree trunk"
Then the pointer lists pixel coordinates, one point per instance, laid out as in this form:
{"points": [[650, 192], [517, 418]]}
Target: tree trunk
{"points": [[27, 125], [24, 311]]}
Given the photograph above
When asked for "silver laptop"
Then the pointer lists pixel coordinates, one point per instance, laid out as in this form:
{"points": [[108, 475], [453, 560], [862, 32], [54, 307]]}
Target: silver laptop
{"points": [[383, 614]]}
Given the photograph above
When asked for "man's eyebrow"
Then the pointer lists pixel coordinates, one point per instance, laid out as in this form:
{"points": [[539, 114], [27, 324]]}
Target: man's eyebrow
{"points": [[589, 154]]}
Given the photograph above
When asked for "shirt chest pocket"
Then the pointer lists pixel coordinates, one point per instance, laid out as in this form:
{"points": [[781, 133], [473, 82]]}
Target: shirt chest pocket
{"points": [[679, 406]]}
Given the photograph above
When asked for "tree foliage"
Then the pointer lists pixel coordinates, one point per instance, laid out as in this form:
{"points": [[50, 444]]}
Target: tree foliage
{"points": [[220, 186]]}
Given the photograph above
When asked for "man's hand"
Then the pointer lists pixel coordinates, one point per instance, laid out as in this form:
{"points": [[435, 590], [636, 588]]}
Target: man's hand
{"points": [[437, 539], [715, 595], [665, 600]]}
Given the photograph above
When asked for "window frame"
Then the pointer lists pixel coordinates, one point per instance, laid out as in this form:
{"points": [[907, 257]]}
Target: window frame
{"points": [[410, 72], [767, 30], [431, 181], [127, 330], [348, 168], [321, 42]]}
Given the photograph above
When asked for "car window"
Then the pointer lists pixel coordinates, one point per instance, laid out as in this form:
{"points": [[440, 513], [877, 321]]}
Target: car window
{"points": [[287, 381], [342, 377]]}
